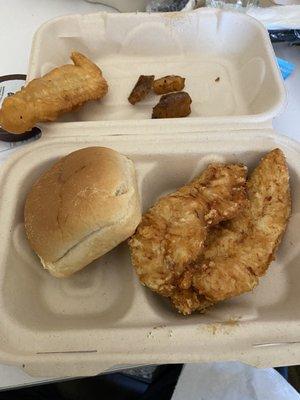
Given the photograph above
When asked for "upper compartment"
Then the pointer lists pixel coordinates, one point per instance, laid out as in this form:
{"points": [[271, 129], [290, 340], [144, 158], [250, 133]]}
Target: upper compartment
{"points": [[226, 58]]}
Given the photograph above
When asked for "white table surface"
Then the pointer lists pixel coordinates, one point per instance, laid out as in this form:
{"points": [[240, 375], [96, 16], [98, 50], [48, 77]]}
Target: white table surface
{"points": [[19, 21]]}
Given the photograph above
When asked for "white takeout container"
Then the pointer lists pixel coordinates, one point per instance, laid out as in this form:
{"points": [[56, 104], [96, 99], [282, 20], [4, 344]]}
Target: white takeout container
{"points": [[227, 59], [124, 5], [102, 317]]}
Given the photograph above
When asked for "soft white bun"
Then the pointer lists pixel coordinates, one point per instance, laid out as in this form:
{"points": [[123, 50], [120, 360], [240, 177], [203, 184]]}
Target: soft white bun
{"points": [[81, 208]]}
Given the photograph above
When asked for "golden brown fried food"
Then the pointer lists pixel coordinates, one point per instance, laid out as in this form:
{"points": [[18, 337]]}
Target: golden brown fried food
{"points": [[171, 234], [173, 105], [168, 84], [141, 89], [61, 90], [240, 252], [189, 300]]}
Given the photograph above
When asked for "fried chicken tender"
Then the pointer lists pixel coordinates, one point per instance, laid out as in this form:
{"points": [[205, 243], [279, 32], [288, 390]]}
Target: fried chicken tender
{"points": [[189, 300], [172, 233], [61, 90], [239, 252]]}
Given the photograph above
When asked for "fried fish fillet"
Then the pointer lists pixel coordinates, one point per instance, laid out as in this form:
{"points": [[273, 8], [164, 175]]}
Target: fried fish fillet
{"points": [[240, 251], [172, 233], [61, 90]]}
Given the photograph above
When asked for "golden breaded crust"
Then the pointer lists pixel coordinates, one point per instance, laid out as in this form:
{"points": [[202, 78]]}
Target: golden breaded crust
{"points": [[61, 90], [239, 252], [172, 233]]}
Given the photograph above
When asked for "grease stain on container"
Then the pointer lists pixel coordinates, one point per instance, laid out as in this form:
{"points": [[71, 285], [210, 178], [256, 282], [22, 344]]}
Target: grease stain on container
{"points": [[224, 327]]}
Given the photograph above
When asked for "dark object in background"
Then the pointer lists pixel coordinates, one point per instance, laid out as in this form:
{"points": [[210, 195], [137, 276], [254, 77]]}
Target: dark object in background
{"points": [[283, 371], [173, 105], [168, 84], [164, 381], [141, 89], [10, 137], [294, 377], [115, 386], [120, 386], [289, 36], [166, 5]]}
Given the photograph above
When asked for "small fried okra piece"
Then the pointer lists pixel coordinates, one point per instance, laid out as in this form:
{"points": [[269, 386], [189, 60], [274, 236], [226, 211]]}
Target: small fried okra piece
{"points": [[173, 105], [168, 84], [141, 88]]}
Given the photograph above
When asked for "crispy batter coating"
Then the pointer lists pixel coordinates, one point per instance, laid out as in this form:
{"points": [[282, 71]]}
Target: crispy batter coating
{"points": [[189, 300], [173, 105], [172, 233], [240, 252], [168, 84], [141, 89], [61, 90]]}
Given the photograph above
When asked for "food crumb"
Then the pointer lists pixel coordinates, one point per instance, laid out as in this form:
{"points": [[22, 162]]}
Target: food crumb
{"points": [[224, 327], [159, 327], [217, 79], [213, 328], [232, 321]]}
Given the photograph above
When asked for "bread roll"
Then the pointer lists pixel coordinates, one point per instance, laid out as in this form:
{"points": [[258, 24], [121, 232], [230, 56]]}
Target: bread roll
{"points": [[81, 208]]}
